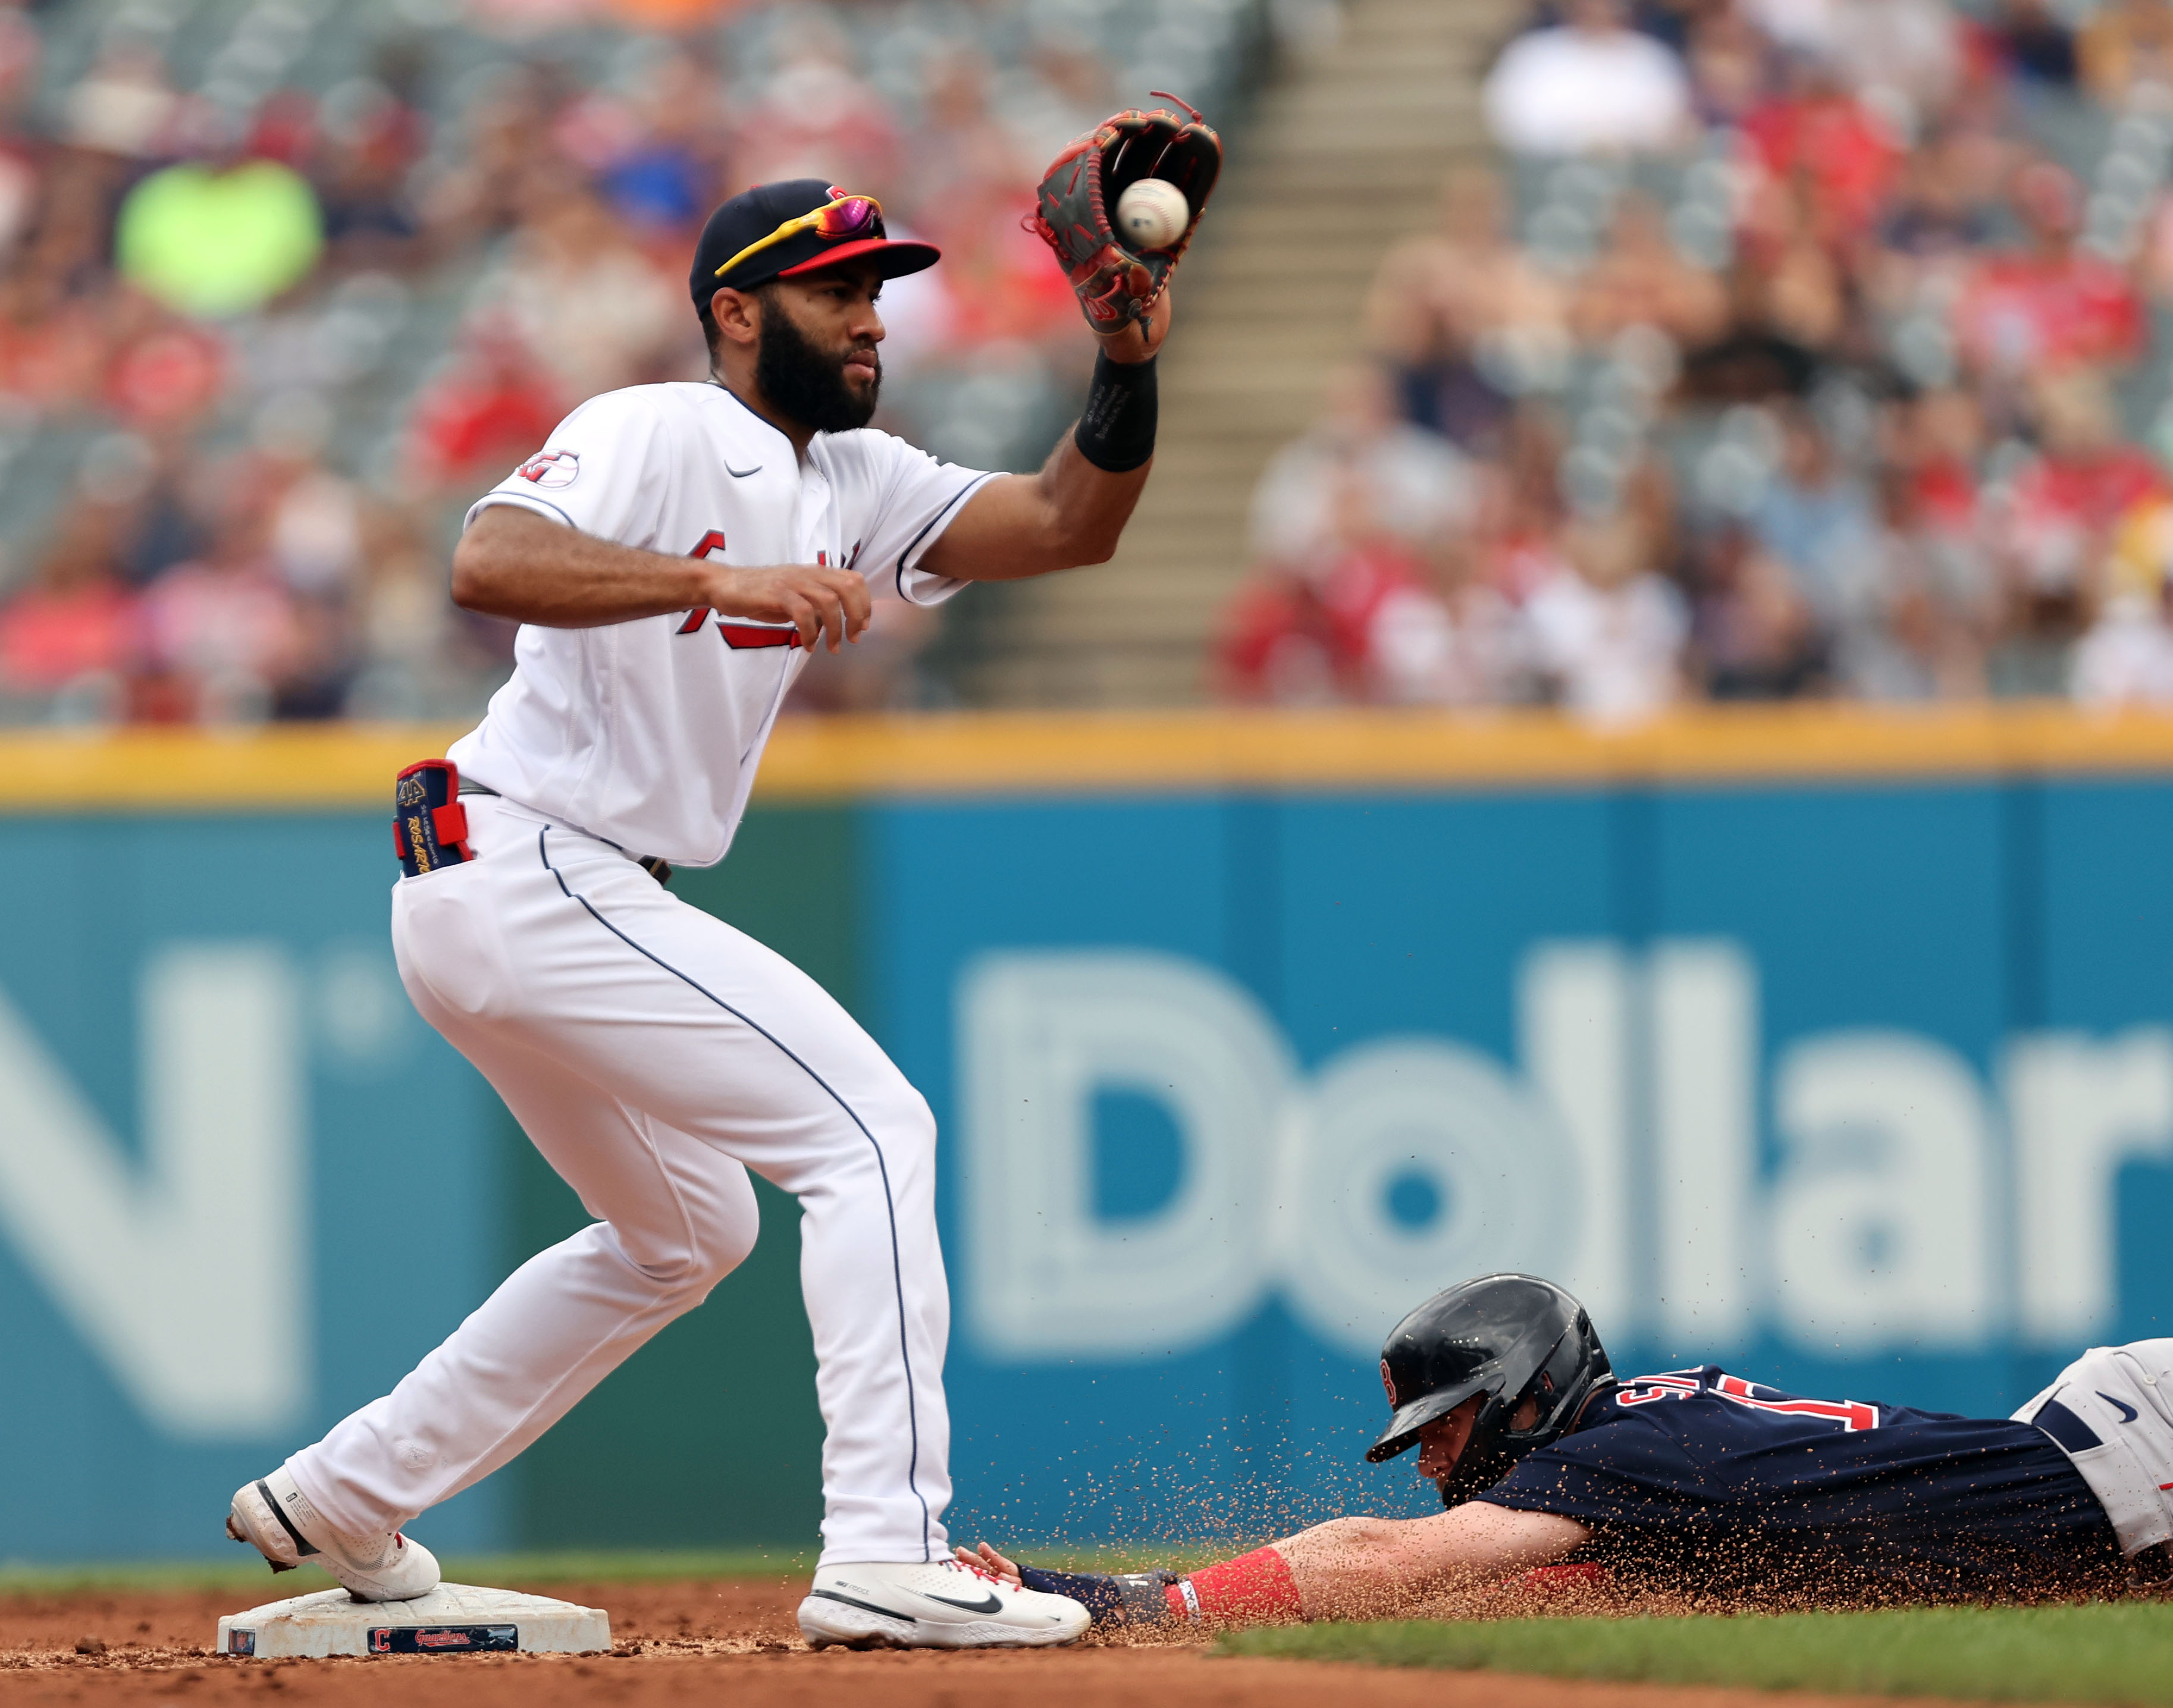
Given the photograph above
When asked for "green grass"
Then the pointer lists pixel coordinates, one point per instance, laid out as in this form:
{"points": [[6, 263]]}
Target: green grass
{"points": [[2120, 1652]]}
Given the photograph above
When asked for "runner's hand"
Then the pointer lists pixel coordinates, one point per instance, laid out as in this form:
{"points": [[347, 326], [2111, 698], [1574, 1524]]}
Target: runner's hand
{"points": [[989, 1561]]}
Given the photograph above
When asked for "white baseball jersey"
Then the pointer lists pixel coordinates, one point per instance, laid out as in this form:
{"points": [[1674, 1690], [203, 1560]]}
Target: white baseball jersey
{"points": [[647, 734]]}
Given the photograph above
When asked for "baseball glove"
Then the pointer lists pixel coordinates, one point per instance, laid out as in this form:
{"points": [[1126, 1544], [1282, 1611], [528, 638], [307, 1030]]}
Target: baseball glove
{"points": [[1079, 192]]}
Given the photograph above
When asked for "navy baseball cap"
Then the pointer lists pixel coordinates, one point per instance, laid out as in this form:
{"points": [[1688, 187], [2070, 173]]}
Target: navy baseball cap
{"points": [[750, 221]]}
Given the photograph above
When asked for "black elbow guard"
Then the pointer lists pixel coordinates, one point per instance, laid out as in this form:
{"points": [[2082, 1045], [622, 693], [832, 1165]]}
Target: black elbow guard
{"points": [[1116, 431]]}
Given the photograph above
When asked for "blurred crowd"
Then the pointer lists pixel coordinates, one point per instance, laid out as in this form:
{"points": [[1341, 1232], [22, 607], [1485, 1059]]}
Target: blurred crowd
{"points": [[1790, 348], [284, 285]]}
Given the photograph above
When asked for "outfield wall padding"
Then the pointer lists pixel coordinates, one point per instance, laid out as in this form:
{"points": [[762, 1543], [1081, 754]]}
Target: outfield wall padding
{"points": [[1834, 1048]]}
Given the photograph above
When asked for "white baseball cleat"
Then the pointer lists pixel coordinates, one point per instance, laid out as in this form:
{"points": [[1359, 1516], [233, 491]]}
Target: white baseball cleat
{"points": [[276, 1516], [938, 1605]]}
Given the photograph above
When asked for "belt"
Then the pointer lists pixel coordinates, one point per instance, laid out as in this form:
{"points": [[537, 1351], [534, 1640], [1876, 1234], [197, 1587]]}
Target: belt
{"points": [[655, 865]]}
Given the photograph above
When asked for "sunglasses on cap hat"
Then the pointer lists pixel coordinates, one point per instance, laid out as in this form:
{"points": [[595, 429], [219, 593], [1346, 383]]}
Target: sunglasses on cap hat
{"points": [[842, 216]]}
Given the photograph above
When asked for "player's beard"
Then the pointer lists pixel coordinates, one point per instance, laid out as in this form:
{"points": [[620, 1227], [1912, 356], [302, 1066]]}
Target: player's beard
{"points": [[805, 385]]}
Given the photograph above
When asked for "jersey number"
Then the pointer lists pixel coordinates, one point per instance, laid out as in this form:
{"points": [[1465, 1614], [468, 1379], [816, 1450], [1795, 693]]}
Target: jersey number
{"points": [[714, 541], [1852, 1415]]}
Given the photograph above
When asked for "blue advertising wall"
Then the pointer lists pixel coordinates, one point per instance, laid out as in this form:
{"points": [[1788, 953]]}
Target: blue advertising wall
{"points": [[1860, 1085], [1866, 1090], [241, 1184]]}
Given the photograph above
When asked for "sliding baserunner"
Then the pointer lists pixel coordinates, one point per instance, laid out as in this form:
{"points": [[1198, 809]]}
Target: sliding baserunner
{"points": [[1698, 1481]]}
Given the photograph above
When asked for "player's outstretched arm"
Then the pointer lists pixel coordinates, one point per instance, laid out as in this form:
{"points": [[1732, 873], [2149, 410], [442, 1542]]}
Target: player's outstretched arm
{"points": [[514, 564], [1367, 1568], [1073, 510], [1351, 1568]]}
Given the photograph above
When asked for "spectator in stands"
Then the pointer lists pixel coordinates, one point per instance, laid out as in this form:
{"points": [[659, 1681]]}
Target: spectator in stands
{"points": [[1303, 631], [1067, 92], [959, 143], [370, 138], [670, 170], [1909, 627], [1942, 216], [1752, 635], [53, 346], [510, 158], [1728, 58], [1461, 312], [2126, 657], [2052, 305], [124, 106], [162, 373], [487, 414], [1642, 279], [1818, 135], [817, 116], [2126, 43], [74, 626], [594, 310], [1447, 637], [1795, 286], [1420, 485], [1817, 519], [21, 52], [2035, 43], [1515, 539], [1902, 57], [1606, 631], [1589, 84], [2053, 524], [222, 635]]}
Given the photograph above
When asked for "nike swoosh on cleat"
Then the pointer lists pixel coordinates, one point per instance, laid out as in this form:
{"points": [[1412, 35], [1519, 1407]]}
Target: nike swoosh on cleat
{"points": [[2127, 1412], [888, 1612], [991, 1605], [740, 474]]}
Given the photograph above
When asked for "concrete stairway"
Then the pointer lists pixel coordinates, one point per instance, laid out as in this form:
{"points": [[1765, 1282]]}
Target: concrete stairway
{"points": [[1344, 153]]}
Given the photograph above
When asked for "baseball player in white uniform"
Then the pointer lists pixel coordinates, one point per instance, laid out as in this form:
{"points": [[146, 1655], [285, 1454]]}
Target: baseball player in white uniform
{"points": [[671, 554]]}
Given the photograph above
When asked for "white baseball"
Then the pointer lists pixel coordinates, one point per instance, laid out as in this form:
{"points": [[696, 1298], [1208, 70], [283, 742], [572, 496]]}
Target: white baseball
{"points": [[1152, 214]]}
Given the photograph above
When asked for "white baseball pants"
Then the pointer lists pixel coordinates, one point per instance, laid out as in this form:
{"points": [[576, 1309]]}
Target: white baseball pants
{"points": [[654, 1055], [2112, 1416]]}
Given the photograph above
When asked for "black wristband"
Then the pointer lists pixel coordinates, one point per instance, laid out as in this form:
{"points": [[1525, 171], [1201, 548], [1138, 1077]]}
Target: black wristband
{"points": [[1134, 1598], [1116, 431], [1098, 1594]]}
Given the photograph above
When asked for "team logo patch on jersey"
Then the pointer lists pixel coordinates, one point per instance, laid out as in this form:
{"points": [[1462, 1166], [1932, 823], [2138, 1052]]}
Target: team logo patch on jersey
{"points": [[551, 468]]}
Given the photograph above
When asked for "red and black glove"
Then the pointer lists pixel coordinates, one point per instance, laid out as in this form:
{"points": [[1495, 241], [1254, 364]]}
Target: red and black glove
{"points": [[1079, 193]]}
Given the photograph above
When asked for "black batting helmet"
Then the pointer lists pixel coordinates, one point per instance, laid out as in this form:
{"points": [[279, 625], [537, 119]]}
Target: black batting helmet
{"points": [[1506, 1337]]}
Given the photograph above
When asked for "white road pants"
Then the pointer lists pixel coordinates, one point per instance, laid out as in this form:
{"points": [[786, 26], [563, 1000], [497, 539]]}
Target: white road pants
{"points": [[2111, 1412], [654, 1055]]}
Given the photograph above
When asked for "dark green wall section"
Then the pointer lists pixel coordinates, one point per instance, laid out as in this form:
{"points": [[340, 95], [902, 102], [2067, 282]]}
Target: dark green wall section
{"points": [[709, 1436]]}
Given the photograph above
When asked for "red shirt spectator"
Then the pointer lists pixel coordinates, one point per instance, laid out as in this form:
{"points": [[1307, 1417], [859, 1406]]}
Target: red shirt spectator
{"points": [[2088, 489], [167, 377], [71, 623], [2052, 306], [209, 618], [1295, 640], [2033, 314], [486, 415], [1824, 136]]}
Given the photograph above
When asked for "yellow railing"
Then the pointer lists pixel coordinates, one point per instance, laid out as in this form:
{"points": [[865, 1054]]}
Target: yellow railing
{"points": [[1065, 754]]}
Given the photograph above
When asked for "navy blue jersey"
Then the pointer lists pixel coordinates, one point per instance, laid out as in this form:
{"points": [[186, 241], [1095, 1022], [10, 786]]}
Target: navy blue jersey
{"points": [[1715, 1482]]}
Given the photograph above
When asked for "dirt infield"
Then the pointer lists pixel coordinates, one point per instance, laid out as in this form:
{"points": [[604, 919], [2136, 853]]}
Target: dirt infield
{"points": [[707, 1641]]}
